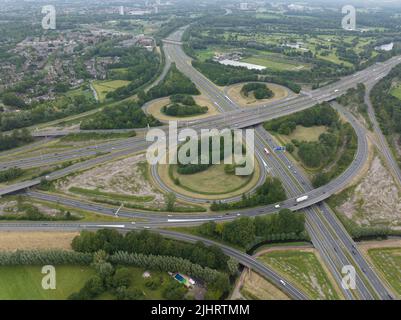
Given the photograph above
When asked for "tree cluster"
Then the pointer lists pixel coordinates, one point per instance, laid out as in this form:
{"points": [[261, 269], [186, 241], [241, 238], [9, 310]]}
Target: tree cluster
{"points": [[260, 90], [149, 244], [246, 232], [16, 139], [126, 115], [271, 191]]}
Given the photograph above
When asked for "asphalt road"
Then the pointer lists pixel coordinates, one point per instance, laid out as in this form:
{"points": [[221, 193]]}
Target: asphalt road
{"points": [[325, 229], [384, 147], [327, 233]]}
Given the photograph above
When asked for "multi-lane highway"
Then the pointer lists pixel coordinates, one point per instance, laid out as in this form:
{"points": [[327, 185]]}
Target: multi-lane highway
{"points": [[327, 234]]}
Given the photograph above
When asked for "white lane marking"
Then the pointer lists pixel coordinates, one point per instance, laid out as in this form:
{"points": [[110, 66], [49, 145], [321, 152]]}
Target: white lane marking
{"points": [[190, 220], [121, 226]]}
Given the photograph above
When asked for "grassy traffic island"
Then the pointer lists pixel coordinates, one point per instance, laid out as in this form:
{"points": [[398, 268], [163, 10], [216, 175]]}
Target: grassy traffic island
{"points": [[209, 184], [304, 268], [125, 181], [255, 93], [102, 88], [181, 107], [208, 181], [386, 258]]}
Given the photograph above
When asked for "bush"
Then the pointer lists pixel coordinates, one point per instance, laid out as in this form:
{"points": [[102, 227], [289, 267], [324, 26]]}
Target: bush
{"points": [[245, 232], [174, 83], [174, 291], [271, 191], [149, 244], [44, 257], [126, 115], [260, 90], [177, 110], [10, 174]]}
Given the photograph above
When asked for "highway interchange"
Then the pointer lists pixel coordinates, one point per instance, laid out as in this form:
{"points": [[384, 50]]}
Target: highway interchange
{"points": [[327, 233]]}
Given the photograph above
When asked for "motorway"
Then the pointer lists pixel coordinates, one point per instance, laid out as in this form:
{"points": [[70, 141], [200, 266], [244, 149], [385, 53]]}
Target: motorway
{"points": [[328, 235], [382, 141]]}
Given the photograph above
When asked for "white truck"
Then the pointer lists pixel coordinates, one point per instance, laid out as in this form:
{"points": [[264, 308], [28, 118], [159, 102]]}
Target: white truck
{"points": [[302, 199]]}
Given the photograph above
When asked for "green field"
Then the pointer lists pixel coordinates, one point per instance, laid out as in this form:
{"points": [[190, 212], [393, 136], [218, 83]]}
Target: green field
{"points": [[264, 58], [275, 63], [388, 261], [212, 181], [25, 282], [104, 87], [396, 91], [304, 270], [310, 43], [139, 282], [80, 91], [302, 133]]}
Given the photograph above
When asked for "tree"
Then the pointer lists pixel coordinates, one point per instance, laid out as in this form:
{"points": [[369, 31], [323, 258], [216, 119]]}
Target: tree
{"points": [[290, 147], [104, 269], [122, 278], [10, 99], [174, 291], [240, 231], [170, 199]]}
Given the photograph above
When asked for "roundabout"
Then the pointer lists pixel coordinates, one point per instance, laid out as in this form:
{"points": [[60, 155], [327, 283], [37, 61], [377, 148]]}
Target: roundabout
{"points": [[209, 185], [155, 107], [236, 94]]}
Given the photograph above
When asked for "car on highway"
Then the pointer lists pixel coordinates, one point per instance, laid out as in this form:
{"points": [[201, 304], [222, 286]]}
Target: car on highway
{"points": [[283, 282], [277, 206], [267, 151], [302, 199]]}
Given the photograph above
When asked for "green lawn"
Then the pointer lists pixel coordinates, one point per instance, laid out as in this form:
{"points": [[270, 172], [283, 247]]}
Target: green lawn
{"points": [[388, 261], [275, 63], [139, 282], [396, 91], [302, 133], [304, 270], [79, 91], [104, 87], [212, 181], [25, 282]]}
